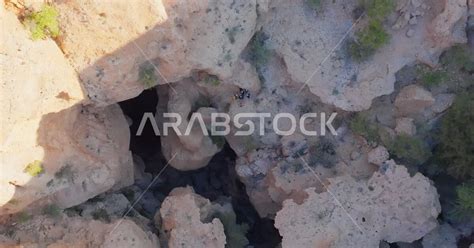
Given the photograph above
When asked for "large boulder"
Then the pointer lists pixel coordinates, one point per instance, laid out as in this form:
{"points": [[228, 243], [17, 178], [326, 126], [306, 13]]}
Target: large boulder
{"points": [[193, 151], [390, 206], [413, 99], [187, 219], [316, 54], [62, 231], [52, 148], [166, 39]]}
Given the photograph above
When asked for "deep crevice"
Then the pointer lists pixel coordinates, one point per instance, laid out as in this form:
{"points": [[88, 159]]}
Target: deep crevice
{"points": [[218, 179]]}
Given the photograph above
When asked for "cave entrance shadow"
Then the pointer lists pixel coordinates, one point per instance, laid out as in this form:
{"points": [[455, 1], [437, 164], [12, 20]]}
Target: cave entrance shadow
{"points": [[215, 181]]}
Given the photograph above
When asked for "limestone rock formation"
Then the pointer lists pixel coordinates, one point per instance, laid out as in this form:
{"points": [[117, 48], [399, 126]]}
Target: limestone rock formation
{"points": [[391, 206], [62, 231], [164, 39], [378, 155], [187, 219], [405, 126], [52, 148], [316, 56], [413, 99], [193, 151]]}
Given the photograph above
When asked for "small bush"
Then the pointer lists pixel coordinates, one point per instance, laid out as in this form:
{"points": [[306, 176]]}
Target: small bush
{"points": [[432, 78], [361, 126], [368, 40], [101, 214], [52, 210], [409, 150], [147, 75], [464, 206], [34, 168], [44, 23], [217, 140], [259, 52], [234, 233], [459, 57], [323, 153], [456, 137], [314, 4], [23, 217], [378, 9], [212, 80]]}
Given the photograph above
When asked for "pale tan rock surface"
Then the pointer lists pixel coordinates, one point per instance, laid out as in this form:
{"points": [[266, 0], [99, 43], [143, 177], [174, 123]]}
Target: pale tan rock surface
{"points": [[412, 99], [193, 151], [391, 206], [405, 126], [176, 37], [79, 151], [316, 55], [63, 231], [85, 153], [378, 155], [185, 217]]}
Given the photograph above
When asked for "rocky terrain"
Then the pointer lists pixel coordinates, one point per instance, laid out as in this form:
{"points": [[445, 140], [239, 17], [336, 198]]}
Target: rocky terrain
{"points": [[78, 76]]}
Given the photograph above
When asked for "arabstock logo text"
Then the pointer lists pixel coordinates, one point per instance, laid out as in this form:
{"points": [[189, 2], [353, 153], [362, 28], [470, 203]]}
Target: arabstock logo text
{"points": [[244, 124]]}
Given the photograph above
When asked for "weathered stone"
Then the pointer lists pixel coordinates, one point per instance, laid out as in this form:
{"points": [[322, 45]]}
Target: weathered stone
{"points": [[405, 126], [168, 38], [378, 155], [53, 149], [391, 206], [412, 99], [186, 218], [63, 231]]}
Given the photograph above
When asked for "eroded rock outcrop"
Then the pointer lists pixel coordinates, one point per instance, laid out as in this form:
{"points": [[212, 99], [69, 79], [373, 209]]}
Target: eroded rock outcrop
{"points": [[63, 231], [315, 54], [187, 219], [52, 148], [391, 206], [193, 150], [167, 39]]}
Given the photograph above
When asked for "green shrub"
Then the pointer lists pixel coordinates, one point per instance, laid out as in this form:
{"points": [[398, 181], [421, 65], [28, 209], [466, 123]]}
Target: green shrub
{"points": [[52, 210], [368, 40], [378, 9], [259, 52], [361, 126], [44, 23], [212, 80], [456, 137], [464, 206], [409, 150], [147, 75], [234, 233], [101, 214], [314, 4], [432, 78], [323, 153], [23, 217], [460, 57], [34, 168]]}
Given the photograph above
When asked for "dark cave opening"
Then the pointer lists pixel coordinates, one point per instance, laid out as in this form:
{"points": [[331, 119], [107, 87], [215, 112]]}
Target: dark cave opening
{"points": [[218, 179]]}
